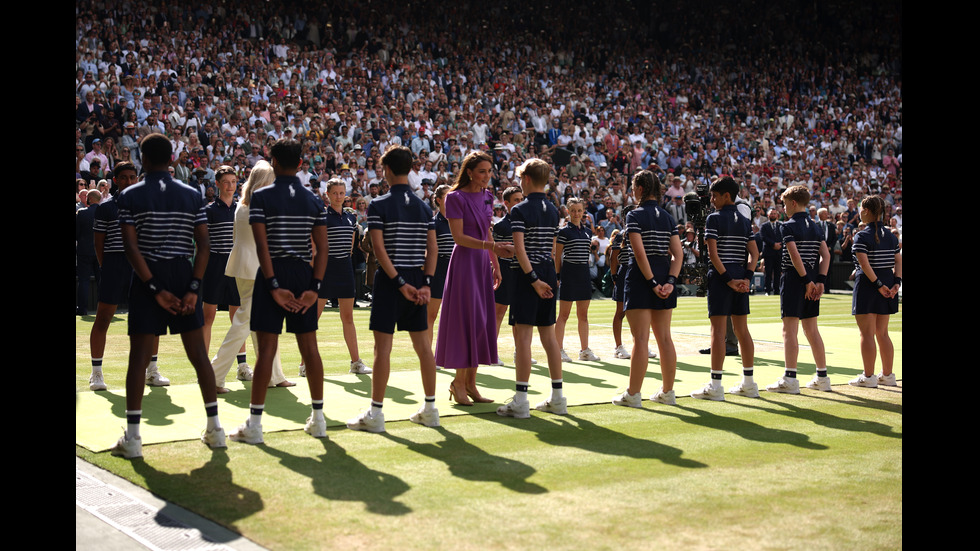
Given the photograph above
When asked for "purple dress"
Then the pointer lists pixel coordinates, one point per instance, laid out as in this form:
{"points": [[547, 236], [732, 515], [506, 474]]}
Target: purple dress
{"points": [[468, 326]]}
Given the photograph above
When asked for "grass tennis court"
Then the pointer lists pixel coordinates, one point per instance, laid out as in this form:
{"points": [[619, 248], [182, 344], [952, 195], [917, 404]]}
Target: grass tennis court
{"points": [[819, 470]]}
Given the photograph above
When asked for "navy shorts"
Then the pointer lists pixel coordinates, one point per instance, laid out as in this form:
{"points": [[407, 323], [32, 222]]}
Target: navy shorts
{"points": [[117, 275], [146, 317], [639, 295], [619, 288], [575, 282], [267, 315], [867, 299], [391, 309], [338, 279], [792, 298], [722, 299], [216, 286], [439, 279], [504, 293], [527, 307]]}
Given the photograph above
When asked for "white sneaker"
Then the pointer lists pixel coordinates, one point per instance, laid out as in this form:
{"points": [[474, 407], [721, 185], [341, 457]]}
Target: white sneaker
{"points": [[368, 422], [558, 407], [651, 354], [519, 410], [128, 447], [588, 356], [214, 439], [785, 385], [749, 390], [248, 433], [883, 380], [497, 363], [358, 367], [533, 361], [667, 398], [153, 377], [820, 383], [302, 370], [317, 428], [564, 356], [429, 418], [96, 382], [710, 392], [629, 400], [866, 382], [244, 372], [622, 353]]}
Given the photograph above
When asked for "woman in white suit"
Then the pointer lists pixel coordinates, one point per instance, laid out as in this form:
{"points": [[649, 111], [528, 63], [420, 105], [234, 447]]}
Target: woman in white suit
{"points": [[243, 264]]}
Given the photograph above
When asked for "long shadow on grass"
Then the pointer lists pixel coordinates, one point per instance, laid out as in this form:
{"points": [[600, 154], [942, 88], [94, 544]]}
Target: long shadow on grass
{"points": [[158, 408], [469, 462], [279, 402], [208, 491], [793, 410], [362, 388], [740, 427], [576, 432], [338, 476]]}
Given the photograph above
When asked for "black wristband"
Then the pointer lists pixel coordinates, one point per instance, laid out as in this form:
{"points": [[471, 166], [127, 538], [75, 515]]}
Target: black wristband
{"points": [[558, 276], [898, 281], [820, 278], [271, 284], [878, 283], [652, 282], [808, 278], [315, 284], [533, 276], [672, 280], [725, 277], [194, 286], [400, 281], [152, 286], [428, 281]]}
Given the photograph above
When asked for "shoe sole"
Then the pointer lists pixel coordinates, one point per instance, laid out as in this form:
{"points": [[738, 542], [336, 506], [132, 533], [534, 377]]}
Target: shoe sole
{"points": [[515, 415], [782, 391], [707, 397], [148, 383], [419, 421], [235, 437], [745, 394], [365, 429], [626, 404]]}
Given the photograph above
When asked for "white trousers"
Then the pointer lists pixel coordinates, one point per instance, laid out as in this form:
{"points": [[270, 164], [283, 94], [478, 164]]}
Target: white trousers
{"points": [[228, 353]]}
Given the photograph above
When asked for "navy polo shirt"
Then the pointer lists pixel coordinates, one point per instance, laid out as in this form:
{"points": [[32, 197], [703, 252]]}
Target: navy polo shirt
{"points": [[575, 242], [654, 225], [537, 219], [340, 232], [502, 233], [807, 236], [107, 222], [164, 212], [289, 212], [732, 232], [444, 236], [405, 221], [221, 225]]}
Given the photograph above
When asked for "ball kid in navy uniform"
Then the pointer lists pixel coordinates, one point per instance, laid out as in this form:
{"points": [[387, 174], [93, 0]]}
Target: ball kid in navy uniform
{"points": [[217, 287], [572, 251], [161, 220], [403, 234], [806, 259], [287, 222], [117, 275], [728, 236], [338, 283], [534, 225], [878, 276], [503, 295], [649, 291]]}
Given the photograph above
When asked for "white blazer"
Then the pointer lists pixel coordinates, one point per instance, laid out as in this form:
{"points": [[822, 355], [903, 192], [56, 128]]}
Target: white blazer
{"points": [[243, 262]]}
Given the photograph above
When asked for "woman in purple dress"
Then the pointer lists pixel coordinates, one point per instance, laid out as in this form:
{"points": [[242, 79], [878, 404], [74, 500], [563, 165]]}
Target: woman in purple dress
{"points": [[468, 329]]}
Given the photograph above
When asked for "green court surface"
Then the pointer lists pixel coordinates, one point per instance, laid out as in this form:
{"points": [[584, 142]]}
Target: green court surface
{"points": [[815, 471]]}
